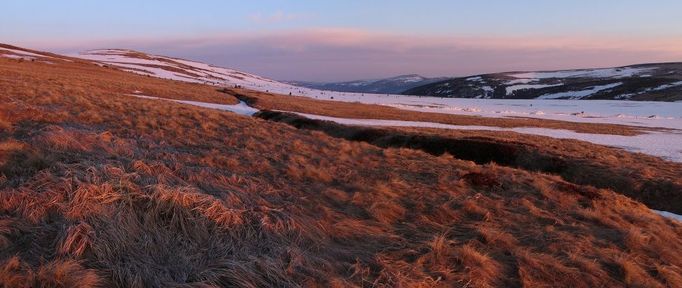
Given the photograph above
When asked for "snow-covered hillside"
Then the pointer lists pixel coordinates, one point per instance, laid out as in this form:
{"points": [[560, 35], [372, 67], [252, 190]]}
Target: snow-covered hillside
{"points": [[182, 70], [661, 82], [11, 52]]}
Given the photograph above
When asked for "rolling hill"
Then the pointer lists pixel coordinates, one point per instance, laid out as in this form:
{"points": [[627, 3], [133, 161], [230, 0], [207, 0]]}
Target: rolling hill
{"points": [[653, 82], [178, 69]]}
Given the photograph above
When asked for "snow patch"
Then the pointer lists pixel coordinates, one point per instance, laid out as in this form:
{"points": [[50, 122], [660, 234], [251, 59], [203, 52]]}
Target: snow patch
{"points": [[647, 90], [409, 79], [585, 73], [240, 108], [17, 57], [579, 94], [668, 215], [520, 81], [22, 53], [666, 86], [511, 89]]}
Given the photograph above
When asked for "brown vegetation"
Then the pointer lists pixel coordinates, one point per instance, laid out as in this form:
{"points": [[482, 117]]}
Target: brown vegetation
{"points": [[97, 189]]}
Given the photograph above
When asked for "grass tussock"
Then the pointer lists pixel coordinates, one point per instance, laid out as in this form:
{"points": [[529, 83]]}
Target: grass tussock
{"points": [[77, 240], [102, 191], [15, 273]]}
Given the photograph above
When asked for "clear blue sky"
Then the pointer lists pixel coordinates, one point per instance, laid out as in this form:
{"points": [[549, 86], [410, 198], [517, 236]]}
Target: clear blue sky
{"points": [[75, 24]]}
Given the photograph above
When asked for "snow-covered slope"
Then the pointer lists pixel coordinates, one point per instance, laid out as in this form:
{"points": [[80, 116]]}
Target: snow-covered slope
{"points": [[393, 85], [182, 70], [17, 53], [662, 82]]}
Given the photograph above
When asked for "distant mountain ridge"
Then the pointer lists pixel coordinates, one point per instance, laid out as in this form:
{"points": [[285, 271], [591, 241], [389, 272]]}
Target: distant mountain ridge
{"points": [[392, 85], [644, 82]]}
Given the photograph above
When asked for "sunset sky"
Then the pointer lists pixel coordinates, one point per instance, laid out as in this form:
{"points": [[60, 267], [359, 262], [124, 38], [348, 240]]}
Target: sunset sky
{"points": [[348, 40]]}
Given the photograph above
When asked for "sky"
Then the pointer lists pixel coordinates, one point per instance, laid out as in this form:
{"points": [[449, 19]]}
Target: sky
{"points": [[351, 39]]}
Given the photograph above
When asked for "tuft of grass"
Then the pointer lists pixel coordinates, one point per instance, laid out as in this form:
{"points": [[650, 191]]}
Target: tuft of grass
{"points": [[15, 273], [634, 275], [66, 274], [77, 240], [481, 269]]}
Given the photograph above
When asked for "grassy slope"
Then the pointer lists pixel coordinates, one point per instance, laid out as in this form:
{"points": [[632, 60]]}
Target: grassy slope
{"points": [[99, 189]]}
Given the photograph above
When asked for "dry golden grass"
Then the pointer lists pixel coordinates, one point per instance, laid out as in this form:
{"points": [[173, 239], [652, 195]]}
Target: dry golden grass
{"points": [[98, 190]]}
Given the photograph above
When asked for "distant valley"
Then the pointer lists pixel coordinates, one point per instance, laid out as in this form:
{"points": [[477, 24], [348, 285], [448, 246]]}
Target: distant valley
{"points": [[644, 82], [393, 85]]}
